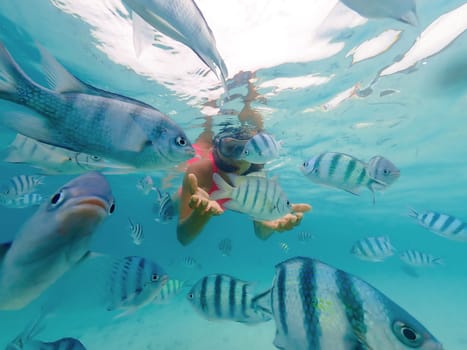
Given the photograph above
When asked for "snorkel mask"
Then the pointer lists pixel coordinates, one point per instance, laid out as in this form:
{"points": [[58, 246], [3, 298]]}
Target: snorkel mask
{"points": [[231, 142]]}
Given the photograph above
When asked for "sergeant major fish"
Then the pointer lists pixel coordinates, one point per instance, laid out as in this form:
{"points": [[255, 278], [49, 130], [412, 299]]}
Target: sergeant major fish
{"points": [[420, 259], [383, 170], [136, 232], [443, 225], [134, 282], [53, 240], [57, 160], [257, 196], [163, 207], [109, 127], [20, 185], [261, 149], [26, 340], [25, 201], [373, 248], [182, 21], [223, 297], [341, 171], [316, 306]]}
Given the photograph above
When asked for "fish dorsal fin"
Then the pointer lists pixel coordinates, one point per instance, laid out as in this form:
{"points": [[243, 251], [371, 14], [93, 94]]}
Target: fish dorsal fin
{"points": [[257, 174], [143, 33], [58, 78], [4, 247]]}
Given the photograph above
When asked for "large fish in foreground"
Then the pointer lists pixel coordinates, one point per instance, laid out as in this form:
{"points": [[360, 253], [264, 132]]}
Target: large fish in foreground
{"points": [[182, 21], [53, 240], [316, 306], [78, 117], [401, 10]]}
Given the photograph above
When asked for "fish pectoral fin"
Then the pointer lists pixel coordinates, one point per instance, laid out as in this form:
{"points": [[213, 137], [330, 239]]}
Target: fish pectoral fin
{"points": [[143, 33], [353, 191], [4, 248]]}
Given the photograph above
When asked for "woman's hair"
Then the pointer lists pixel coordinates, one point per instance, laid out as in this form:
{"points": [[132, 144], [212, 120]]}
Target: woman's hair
{"points": [[229, 143]]}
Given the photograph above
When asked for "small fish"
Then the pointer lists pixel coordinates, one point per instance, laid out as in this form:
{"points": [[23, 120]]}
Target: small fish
{"points": [[191, 263], [145, 185], [170, 290], [402, 10], [134, 282], [261, 149], [305, 236], [182, 21], [420, 259], [74, 116], [225, 246], [383, 170], [284, 246], [20, 185], [136, 232], [25, 340], [316, 306], [55, 239], [373, 249], [25, 201], [443, 225], [223, 297], [341, 171], [163, 207], [56, 160], [257, 196]]}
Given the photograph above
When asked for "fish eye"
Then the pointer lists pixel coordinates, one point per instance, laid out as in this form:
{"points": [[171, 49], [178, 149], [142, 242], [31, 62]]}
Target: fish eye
{"points": [[385, 171], [155, 277], [245, 152], [112, 208], [57, 198], [181, 141], [95, 158], [288, 203], [305, 164], [190, 295], [407, 335]]}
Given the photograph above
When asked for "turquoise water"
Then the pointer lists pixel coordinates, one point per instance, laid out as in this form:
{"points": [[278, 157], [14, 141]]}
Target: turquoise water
{"points": [[300, 69]]}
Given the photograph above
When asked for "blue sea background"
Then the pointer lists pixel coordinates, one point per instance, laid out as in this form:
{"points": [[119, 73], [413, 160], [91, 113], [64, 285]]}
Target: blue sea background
{"points": [[415, 118]]}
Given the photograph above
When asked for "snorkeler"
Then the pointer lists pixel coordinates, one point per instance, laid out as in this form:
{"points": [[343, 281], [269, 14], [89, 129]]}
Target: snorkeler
{"points": [[196, 207]]}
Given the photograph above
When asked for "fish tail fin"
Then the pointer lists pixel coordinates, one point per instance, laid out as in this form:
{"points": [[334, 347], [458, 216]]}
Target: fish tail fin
{"points": [[130, 222], [439, 261], [413, 213], [224, 191], [262, 302], [12, 77], [411, 18]]}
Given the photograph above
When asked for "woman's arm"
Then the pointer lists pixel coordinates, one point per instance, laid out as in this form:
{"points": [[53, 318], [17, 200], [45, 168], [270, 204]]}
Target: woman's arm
{"points": [[195, 206]]}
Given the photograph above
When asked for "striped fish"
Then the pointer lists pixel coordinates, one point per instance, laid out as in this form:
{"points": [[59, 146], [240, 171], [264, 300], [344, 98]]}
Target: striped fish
{"points": [[225, 246], [145, 184], [74, 116], [417, 258], [170, 290], [316, 306], [136, 232], [260, 149], [57, 160], [163, 207], [26, 339], [254, 195], [383, 170], [191, 263], [25, 201], [374, 249], [20, 185], [444, 225], [341, 171], [223, 297], [134, 282], [305, 236]]}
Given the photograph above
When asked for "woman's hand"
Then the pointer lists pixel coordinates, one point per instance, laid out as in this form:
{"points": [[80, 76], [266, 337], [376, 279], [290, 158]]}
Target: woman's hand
{"points": [[264, 229], [199, 200]]}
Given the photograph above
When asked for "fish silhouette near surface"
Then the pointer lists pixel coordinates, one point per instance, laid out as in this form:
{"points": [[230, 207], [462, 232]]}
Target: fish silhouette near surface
{"points": [[78, 117], [55, 239]]}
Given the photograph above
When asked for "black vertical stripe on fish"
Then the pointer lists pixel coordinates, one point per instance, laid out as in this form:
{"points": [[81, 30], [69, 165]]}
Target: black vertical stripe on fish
{"points": [[334, 163], [203, 297], [447, 223], [459, 228], [139, 275], [98, 115], [244, 300], [255, 197], [434, 219], [125, 270], [309, 300], [361, 176], [350, 169], [256, 145], [245, 194], [232, 287], [218, 295], [264, 197], [281, 294], [318, 161], [353, 306]]}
